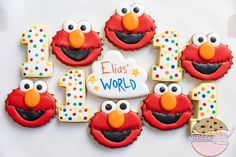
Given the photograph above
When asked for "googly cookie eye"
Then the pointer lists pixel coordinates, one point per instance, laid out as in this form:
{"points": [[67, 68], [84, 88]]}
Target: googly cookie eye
{"points": [[160, 88], [108, 106], [26, 85], [40, 86], [198, 39], [123, 106], [214, 39], [122, 9], [137, 9], [175, 88], [85, 26], [70, 26]]}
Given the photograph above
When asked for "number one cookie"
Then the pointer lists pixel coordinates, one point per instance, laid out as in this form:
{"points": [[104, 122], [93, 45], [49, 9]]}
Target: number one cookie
{"points": [[37, 53], [74, 109], [205, 95], [168, 69]]}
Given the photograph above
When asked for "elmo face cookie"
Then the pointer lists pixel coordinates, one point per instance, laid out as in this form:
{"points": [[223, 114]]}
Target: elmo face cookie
{"points": [[76, 44], [206, 58], [115, 125], [130, 28], [167, 108], [31, 105]]}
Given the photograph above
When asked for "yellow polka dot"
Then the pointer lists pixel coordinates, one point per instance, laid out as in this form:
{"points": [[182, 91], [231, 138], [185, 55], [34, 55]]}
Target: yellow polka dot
{"points": [[75, 109], [69, 84], [165, 52], [167, 64], [43, 45], [209, 100], [36, 34], [79, 117], [31, 71], [208, 111]]}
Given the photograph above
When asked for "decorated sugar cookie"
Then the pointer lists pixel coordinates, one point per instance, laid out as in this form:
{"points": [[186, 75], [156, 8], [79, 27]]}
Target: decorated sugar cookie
{"points": [[76, 44], [168, 68], [206, 58], [167, 108], [37, 64], [115, 125], [206, 96], [31, 105], [74, 109], [116, 77], [130, 28]]}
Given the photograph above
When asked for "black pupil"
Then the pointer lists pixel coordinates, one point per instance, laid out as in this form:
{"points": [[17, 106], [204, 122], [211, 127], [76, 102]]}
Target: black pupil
{"points": [[39, 87], [70, 27], [124, 10], [27, 86], [200, 39], [136, 9], [83, 28], [162, 89], [174, 89], [213, 39], [108, 107], [123, 106]]}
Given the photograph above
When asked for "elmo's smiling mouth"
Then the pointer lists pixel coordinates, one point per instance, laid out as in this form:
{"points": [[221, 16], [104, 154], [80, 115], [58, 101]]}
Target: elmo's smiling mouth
{"points": [[130, 38], [29, 115], [76, 54], [206, 68], [116, 136], [167, 118]]}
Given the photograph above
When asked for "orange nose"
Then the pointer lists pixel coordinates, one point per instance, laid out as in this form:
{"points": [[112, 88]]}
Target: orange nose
{"points": [[168, 101], [116, 119], [76, 39], [130, 21], [206, 51], [32, 98]]}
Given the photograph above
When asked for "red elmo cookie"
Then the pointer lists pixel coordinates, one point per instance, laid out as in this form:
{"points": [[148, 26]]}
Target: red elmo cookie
{"points": [[76, 44], [130, 28], [167, 108], [206, 58], [31, 105], [115, 126]]}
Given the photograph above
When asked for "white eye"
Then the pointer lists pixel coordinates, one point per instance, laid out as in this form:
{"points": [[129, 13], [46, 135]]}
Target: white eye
{"points": [[85, 26], [137, 9], [70, 26], [122, 9], [214, 39], [175, 88], [160, 88], [26, 85], [40, 86], [108, 106], [123, 106], [198, 39]]}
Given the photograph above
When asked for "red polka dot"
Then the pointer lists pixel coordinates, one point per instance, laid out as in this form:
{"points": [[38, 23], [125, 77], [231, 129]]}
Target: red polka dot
{"points": [[45, 69], [26, 68], [79, 75], [176, 58], [175, 35], [31, 41], [85, 118], [41, 30], [23, 35], [161, 67], [167, 32], [60, 117], [31, 59], [74, 88], [68, 103], [195, 94], [71, 72], [74, 114], [42, 50], [169, 48], [212, 87], [157, 40], [85, 110], [176, 75], [204, 104], [63, 79], [81, 96], [157, 75]]}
